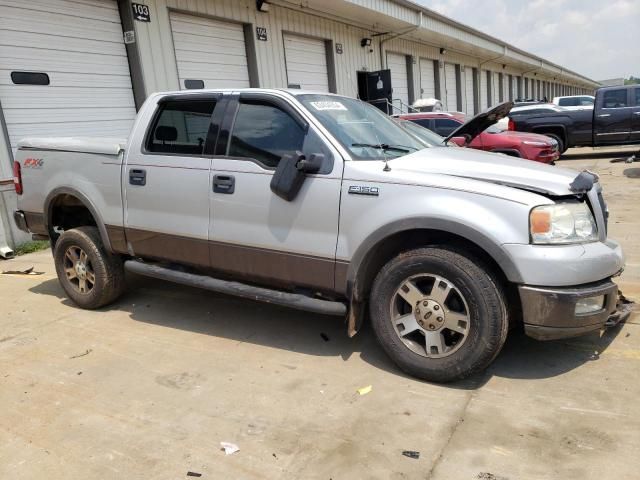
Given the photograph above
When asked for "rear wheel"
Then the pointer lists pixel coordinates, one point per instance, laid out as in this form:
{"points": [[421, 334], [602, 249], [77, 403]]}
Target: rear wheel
{"points": [[438, 313], [91, 276]]}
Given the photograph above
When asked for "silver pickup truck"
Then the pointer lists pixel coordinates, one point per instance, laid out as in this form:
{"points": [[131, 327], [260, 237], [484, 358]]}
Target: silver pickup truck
{"points": [[323, 203]]}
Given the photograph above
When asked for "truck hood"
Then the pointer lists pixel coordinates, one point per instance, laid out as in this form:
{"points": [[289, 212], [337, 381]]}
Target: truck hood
{"points": [[489, 167]]}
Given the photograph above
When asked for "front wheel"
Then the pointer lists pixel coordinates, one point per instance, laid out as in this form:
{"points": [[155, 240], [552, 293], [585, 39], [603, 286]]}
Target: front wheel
{"points": [[440, 314], [561, 147], [91, 276]]}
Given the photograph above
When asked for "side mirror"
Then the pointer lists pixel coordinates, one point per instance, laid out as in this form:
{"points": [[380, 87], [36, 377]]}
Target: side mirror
{"points": [[291, 172], [313, 164]]}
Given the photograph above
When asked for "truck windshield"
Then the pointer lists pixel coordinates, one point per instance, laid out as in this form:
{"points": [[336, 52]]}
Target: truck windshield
{"points": [[365, 131]]}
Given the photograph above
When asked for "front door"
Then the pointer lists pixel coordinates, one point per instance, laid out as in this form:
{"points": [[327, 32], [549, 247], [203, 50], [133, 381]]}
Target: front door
{"points": [[255, 234], [635, 116], [167, 184], [612, 123]]}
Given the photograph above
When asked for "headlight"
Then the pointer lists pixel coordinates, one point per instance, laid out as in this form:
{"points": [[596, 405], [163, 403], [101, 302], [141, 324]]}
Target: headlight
{"points": [[535, 144], [562, 223]]}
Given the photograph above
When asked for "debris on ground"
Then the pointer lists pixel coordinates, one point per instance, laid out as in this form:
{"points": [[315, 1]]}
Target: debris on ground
{"points": [[229, 448], [193, 474], [87, 352], [411, 454], [490, 476], [26, 271], [365, 390], [325, 337]]}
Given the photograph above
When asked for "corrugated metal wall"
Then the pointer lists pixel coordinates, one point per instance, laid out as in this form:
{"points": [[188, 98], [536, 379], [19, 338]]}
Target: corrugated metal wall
{"points": [[159, 64]]}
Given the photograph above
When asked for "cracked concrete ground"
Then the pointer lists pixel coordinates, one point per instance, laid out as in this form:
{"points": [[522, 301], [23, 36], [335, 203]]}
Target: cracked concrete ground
{"points": [[149, 387]]}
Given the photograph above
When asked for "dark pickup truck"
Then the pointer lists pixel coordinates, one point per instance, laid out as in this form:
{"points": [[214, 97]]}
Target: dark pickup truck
{"points": [[614, 120]]}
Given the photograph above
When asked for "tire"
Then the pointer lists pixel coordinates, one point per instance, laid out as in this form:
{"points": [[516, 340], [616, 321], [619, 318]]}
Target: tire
{"points": [[561, 147], [467, 337], [80, 256]]}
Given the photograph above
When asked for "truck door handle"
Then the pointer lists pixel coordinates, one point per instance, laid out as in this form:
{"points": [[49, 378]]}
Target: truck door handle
{"points": [[604, 115], [137, 177], [636, 113], [224, 184]]}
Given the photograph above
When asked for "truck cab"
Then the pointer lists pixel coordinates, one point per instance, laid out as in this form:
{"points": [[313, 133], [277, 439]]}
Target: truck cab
{"points": [[616, 118]]}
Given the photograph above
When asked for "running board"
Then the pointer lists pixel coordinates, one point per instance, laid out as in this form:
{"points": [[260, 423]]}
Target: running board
{"points": [[293, 300]]}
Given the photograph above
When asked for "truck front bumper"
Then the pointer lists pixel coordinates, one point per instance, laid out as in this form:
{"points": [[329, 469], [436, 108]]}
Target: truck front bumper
{"points": [[551, 313]]}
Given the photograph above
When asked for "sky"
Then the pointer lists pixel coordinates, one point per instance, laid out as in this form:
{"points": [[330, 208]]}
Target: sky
{"points": [[596, 38]]}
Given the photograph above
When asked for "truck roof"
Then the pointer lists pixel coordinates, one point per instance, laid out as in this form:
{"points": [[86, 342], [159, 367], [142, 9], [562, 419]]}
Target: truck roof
{"points": [[290, 91]]}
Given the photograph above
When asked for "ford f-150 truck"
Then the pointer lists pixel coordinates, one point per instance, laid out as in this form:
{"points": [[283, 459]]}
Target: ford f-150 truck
{"points": [[614, 120], [323, 203]]}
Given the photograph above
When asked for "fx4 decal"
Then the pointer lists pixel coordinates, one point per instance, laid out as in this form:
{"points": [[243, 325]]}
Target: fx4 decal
{"points": [[33, 163]]}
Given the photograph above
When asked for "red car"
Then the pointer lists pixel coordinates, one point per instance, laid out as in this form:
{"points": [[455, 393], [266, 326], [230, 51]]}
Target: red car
{"points": [[531, 146]]}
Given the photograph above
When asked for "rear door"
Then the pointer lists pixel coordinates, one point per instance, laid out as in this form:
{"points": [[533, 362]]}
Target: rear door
{"points": [[612, 123], [167, 183], [635, 115], [255, 234]]}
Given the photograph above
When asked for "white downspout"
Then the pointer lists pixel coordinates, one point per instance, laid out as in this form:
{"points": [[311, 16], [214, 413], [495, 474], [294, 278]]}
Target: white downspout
{"points": [[6, 251]]}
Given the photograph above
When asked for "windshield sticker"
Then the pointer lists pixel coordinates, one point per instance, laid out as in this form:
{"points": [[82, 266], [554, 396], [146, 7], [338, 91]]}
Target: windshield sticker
{"points": [[328, 105]]}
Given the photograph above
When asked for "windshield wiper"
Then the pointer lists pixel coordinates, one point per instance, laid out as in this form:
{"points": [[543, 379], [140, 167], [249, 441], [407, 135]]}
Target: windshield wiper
{"points": [[385, 147]]}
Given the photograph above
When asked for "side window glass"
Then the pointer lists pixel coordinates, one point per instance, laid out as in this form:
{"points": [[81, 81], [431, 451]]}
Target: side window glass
{"points": [[264, 133], [181, 127], [615, 99], [446, 125], [637, 90]]}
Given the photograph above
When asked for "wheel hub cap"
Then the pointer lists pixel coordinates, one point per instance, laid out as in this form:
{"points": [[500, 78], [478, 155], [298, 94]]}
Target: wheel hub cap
{"points": [[430, 315]]}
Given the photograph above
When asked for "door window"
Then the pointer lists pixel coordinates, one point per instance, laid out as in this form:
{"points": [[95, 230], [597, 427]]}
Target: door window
{"points": [[637, 90], [181, 127], [615, 99], [265, 133]]}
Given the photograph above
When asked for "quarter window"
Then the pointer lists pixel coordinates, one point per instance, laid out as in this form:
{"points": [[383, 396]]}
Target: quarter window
{"points": [[181, 127], [265, 133], [615, 99]]}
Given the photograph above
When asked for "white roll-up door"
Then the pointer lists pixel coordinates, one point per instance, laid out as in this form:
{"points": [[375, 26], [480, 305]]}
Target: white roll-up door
{"points": [[484, 102], [469, 94], [211, 53], [399, 79], [306, 60], [451, 88], [79, 46], [427, 78]]}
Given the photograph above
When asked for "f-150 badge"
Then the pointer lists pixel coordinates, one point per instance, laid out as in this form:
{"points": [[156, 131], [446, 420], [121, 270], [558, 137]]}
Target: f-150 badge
{"points": [[364, 190]]}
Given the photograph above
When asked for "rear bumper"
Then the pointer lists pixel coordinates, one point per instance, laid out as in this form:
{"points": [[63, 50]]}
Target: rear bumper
{"points": [[549, 313], [30, 222], [21, 220]]}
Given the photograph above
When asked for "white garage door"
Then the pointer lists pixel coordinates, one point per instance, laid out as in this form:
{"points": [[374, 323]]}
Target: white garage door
{"points": [[79, 46], [469, 94], [306, 60], [399, 80], [210, 52], [484, 103], [427, 78], [450, 87]]}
